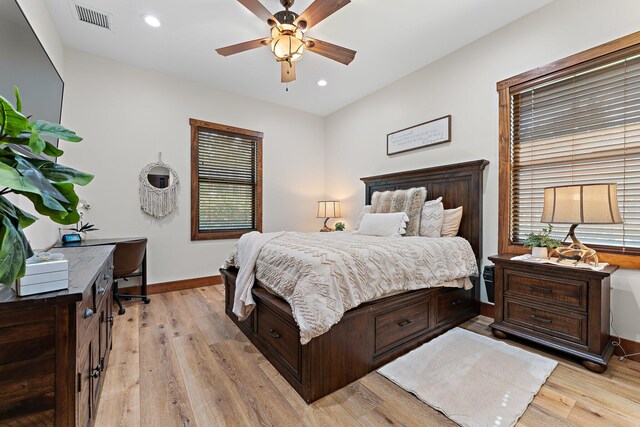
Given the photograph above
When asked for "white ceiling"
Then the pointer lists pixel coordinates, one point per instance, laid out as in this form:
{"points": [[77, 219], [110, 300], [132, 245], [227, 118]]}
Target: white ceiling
{"points": [[393, 38]]}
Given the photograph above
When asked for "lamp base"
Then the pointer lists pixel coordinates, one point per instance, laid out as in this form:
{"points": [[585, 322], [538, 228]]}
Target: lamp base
{"points": [[326, 228], [576, 251]]}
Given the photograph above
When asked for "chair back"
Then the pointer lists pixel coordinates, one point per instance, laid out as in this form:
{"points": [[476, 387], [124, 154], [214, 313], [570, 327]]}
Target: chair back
{"points": [[128, 257]]}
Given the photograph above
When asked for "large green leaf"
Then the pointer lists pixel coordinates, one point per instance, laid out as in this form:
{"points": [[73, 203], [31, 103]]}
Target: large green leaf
{"points": [[36, 143], [23, 218], [13, 252], [16, 92], [56, 131], [59, 173], [51, 150], [12, 122]]}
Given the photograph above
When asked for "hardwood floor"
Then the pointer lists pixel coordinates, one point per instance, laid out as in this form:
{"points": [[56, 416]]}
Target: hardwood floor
{"points": [[180, 361]]}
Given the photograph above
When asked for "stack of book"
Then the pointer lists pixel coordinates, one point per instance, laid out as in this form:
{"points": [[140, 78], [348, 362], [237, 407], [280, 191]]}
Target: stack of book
{"points": [[47, 276]]}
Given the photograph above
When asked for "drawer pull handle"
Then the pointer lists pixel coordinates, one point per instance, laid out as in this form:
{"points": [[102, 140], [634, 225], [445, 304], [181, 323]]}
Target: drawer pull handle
{"points": [[105, 276], [405, 322], [538, 288], [274, 334], [88, 313], [110, 320], [101, 290], [95, 372], [456, 302], [541, 319]]}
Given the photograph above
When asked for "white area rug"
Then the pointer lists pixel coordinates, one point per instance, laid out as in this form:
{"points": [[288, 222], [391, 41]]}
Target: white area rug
{"points": [[474, 380]]}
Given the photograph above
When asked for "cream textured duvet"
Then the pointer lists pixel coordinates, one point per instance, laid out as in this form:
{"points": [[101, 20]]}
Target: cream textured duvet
{"points": [[322, 275]]}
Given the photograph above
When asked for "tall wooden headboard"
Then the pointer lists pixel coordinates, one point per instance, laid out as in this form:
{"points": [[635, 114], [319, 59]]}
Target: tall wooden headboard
{"points": [[459, 184]]}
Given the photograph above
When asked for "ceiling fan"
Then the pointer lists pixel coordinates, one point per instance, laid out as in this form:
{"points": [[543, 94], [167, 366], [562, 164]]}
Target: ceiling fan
{"points": [[287, 39]]}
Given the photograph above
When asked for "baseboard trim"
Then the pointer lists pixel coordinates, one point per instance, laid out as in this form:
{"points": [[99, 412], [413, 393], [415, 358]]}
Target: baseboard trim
{"points": [[176, 285], [630, 347], [486, 309]]}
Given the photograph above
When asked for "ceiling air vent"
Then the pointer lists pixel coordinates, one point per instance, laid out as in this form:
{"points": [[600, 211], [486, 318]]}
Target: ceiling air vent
{"points": [[92, 16]]}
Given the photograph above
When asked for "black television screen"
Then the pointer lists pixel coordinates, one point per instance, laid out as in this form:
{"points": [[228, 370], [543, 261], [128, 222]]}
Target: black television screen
{"points": [[24, 63]]}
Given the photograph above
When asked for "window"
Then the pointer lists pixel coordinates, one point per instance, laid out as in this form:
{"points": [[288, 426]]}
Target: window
{"points": [[226, 181], [576, 121]]}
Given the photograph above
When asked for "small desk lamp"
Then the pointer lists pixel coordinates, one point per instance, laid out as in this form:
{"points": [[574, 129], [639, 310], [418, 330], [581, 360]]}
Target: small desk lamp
{"points": [[580, 204], [328, 209]]}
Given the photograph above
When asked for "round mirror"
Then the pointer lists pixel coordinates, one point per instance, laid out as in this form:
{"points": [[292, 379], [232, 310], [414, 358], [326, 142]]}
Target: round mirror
{"points": [[159, 177], [159, 185]]}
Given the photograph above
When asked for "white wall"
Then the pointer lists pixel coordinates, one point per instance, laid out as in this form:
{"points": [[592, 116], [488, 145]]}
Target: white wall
{"points": [[126, 115], [463, 84], [44, 232]]}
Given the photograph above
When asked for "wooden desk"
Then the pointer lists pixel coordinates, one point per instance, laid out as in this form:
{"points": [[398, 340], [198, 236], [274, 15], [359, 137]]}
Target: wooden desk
{"points": [[112, 241]]}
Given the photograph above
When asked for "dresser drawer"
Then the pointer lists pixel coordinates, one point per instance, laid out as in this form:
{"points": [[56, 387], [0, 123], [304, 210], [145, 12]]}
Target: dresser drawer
{"points": [[452, 303], [85, 314], [279, 336], [565, 292], [103, 283], [566, 325], [393, 327]]}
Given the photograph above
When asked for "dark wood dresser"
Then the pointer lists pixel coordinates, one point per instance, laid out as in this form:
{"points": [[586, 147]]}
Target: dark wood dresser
{"points": [[54, 347], [564, 308]]}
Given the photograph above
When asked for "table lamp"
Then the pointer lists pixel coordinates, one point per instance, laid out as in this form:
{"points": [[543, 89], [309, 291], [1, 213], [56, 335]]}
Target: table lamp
{"points": [[580, 204], [328, 209]]}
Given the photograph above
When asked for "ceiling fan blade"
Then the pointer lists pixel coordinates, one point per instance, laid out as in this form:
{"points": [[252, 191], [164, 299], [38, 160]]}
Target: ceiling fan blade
{"points": [[260, 11], [331, 51], [318, 11], [241, 47], [288, 71]]}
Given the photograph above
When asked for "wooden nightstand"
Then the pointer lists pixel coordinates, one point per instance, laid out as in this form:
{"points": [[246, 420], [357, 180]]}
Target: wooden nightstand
{"points": [[559, 307]]}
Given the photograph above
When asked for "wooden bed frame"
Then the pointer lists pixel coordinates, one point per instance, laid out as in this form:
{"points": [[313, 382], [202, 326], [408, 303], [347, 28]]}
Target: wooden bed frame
{"points": [[376, 332]]}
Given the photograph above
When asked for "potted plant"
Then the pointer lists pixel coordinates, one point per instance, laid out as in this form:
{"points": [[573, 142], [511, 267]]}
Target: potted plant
{"points": [[48, 185], [542, 243]]}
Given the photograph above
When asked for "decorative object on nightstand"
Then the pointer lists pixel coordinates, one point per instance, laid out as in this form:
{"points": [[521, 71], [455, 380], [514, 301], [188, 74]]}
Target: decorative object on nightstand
{"points": [[339, 226], [328, 209], [541, 243], [580, 204], [559, 306]]}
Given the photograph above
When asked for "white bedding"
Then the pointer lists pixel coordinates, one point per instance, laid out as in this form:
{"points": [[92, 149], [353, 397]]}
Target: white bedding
{"points": [[322, 275]]}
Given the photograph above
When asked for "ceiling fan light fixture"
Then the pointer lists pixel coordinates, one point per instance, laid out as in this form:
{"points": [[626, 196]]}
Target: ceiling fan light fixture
{"points": [[287, 42]]}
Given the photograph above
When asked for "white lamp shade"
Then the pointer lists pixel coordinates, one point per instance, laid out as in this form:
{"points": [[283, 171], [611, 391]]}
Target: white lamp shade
{"points": [[582, 204], [329, 209]]}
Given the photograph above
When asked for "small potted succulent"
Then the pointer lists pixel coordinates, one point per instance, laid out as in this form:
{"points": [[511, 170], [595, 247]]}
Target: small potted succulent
{"points": [[541, 243], [339, 226]]}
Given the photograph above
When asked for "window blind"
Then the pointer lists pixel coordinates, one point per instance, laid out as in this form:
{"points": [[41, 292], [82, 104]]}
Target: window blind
{"points": [[226, 181], [579, 129]]}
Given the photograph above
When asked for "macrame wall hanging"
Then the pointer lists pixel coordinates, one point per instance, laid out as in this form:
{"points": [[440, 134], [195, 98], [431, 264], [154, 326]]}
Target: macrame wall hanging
{"points": [[159, 186]]}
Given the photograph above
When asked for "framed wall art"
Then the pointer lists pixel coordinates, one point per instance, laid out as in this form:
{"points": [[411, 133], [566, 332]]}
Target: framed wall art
{"points": [[425, 134]]}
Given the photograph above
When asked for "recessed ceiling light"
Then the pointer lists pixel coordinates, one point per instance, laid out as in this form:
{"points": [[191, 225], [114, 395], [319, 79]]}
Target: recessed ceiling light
{"points": [[152, 21], [322, 83]]}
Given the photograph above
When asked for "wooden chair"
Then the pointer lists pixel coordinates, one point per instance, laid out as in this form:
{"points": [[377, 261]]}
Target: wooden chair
{"points": [[130, 260]]}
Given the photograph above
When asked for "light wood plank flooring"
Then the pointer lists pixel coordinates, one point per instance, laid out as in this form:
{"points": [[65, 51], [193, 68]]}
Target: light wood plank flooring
{"points": [[181, 362]]}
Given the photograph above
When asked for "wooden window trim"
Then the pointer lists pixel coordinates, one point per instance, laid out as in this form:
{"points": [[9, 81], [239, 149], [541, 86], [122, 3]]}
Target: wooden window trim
{"points": [[616, 49], [196, 234]]}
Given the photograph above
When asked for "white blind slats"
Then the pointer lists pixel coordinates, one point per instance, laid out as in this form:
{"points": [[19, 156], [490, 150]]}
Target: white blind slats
{"points": [[581, 129], [226, 181]]}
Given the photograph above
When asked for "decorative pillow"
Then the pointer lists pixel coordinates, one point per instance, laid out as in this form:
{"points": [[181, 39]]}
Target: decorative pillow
{"points": [[383, 224], [432, 217], [409, 201], [365, 210], [451, 222]]}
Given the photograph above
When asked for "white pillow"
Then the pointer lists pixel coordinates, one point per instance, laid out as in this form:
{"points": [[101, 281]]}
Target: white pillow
{"points": [[383, 224], [365, 210], [451, 222], [432, 217]]}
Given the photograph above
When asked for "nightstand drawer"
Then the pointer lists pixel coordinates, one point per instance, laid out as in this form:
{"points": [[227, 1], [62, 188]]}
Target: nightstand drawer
{"points": [[566, 325], [565, 292]]}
